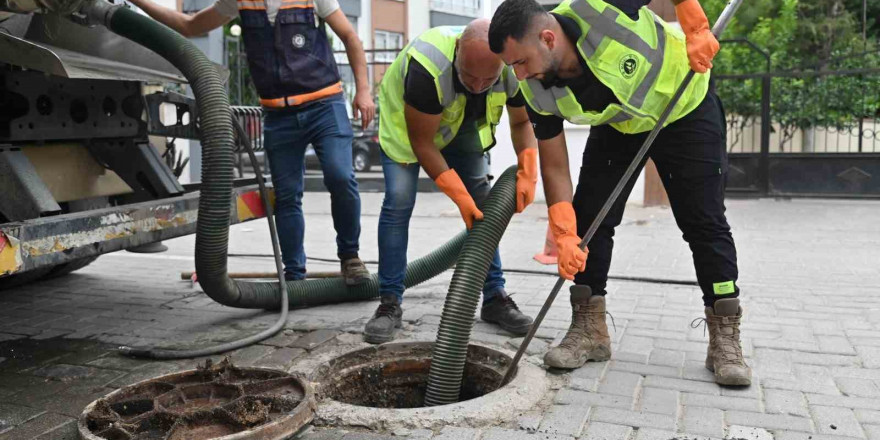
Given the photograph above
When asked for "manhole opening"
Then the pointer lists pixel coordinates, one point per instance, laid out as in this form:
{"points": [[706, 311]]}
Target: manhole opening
{"points": [[209, 402], [396, 375]]}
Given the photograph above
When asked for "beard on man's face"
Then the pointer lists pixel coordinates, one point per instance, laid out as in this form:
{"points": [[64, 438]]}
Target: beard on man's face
{"points": [[551, 72]]}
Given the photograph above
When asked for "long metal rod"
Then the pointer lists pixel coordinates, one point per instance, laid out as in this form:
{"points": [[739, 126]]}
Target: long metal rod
{"points": [[722, 22]]}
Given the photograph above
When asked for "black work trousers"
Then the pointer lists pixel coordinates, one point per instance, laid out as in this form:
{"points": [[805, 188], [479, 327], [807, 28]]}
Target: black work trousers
{"points": [[691, 159]]}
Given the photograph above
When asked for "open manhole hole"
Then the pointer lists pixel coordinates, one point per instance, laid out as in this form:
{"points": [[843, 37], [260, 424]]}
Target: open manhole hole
{"points": [[384, 387], [214, 402]]}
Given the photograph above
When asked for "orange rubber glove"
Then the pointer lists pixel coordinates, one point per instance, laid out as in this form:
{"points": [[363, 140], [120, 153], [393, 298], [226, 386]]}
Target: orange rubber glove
{"points": [[526, 177], [451, 185], [571, 258], [701, 43]]}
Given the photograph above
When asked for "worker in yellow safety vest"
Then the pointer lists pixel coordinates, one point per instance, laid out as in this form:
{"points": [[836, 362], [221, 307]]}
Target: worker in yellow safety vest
{"points": [[615, 65], [440, 102]]}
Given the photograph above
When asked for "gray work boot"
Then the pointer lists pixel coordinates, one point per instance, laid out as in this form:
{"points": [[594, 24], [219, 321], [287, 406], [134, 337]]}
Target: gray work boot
{"points": [[385, 322], [502, 311], [354, 272], [724, 356], [587, 338]]}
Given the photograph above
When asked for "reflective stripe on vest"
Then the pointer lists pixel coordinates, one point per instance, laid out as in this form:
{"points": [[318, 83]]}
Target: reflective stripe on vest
{"points": [[290, 59], [607, 27], [609, 48], [444, 64], [252, 5], [435, 50], [293, 4]]}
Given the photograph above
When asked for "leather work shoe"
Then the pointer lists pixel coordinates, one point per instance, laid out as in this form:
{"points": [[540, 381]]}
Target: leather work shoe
{"points": [[724, 356], [384, 323], [502, 311], [587, 338], [354, 272]]}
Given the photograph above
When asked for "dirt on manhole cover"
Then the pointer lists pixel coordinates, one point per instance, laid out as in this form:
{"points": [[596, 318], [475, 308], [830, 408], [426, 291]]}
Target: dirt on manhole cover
{"points": [[213, 401]]}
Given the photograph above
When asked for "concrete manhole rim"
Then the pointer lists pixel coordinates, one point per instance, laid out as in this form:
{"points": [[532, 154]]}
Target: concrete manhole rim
{"points": [[282, 428], [523, 393]]}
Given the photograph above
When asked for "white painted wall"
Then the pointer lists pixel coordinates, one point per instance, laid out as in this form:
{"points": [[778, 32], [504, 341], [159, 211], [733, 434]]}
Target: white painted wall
{"points": [[504, 156], [365, 24], [418, 18]]}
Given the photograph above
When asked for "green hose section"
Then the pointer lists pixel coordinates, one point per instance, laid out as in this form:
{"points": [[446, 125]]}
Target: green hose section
{"points": [[315, 292], [215, 126], [457, 319], [212, 231]]}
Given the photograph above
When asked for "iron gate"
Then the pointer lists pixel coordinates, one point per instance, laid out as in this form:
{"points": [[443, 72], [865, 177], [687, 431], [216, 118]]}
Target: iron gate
{"points": [[809, 133]]}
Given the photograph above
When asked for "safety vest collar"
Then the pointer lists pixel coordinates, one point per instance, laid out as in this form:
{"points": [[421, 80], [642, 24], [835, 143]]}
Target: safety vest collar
{"points": [[604, 25]]}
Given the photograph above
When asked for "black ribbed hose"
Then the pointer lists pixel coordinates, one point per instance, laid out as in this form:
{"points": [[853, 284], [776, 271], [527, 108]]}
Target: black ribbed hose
{"points": [[212, 230], [457, 319]]}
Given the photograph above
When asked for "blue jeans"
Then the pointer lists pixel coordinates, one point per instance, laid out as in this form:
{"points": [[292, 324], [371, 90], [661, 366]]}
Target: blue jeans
{"points": [[287, 133], [400, 197]]}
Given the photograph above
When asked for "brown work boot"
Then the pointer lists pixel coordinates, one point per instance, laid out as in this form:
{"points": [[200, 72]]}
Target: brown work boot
{"points": [[724, 356], [354, 272], [587, 338]]}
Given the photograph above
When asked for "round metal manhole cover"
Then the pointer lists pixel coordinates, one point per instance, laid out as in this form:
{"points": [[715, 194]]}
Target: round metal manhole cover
{"points": [[213, 402]]}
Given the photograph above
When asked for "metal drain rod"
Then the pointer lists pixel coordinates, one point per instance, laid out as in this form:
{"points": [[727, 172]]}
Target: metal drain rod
{"points": [[720, 25]]}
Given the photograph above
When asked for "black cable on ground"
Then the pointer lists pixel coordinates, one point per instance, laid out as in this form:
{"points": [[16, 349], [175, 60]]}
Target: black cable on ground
{"points": [[549, 273]]}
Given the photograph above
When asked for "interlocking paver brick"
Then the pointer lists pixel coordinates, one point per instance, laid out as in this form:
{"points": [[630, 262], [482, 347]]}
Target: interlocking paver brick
{"points": [[705, 421], [667, 358], [67, 431], [508, 434], [632, 418], [769, 421], [645, 370], [851, 386], [655, 434], [564, 419], [748, 433], [572, 397], [721, 402], [792, 435], [836, 421], [660, 401], [619, 383], [866, 416], [606, 431], [691, 386], [841, 401], [12, 415], [36, 426], [785, 402], [870, 356]]}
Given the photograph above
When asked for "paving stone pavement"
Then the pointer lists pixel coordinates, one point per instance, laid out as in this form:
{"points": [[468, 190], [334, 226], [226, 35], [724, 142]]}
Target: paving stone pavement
{"points": [[809, 273]]}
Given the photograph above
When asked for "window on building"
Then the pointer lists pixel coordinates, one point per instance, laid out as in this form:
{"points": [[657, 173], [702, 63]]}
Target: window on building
{"points": [[387, 40], [469, 8], [337, 42]]}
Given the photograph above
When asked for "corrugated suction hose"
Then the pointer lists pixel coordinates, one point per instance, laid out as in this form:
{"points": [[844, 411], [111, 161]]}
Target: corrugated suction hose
{"points": [[450, 350]]}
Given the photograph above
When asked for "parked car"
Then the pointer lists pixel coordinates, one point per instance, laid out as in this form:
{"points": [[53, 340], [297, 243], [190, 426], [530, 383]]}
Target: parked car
{"points": [[364, 151]]}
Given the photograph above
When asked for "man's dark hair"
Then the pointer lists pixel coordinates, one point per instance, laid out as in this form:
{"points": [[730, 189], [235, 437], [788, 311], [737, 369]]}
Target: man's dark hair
{"points": [[512, 19]]}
